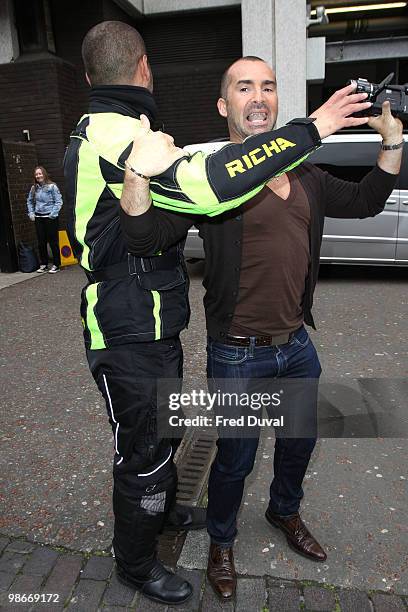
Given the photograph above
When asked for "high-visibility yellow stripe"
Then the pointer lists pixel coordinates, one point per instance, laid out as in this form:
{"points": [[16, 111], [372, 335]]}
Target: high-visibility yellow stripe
{"points": [[90, 185], [116, 189], [202, 208], [296, 163], [156, 314], [191, 175], [97, 339], [110, 134]]}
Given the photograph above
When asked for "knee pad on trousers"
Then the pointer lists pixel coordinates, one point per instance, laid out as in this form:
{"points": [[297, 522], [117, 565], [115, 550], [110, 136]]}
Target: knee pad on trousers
{"points": [[140, 505]]}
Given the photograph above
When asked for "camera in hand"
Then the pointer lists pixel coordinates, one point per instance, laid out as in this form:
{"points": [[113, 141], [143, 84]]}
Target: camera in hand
{"points": [[377, 94]]}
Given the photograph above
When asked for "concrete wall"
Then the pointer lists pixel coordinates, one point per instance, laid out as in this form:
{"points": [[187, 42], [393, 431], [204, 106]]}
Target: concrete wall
{"points": [[276, 31], [155, 7], [8, 35]]}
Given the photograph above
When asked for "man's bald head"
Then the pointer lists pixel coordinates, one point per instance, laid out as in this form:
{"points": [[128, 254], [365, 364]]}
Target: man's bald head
{"points": [[111, 52], [226, 77]]}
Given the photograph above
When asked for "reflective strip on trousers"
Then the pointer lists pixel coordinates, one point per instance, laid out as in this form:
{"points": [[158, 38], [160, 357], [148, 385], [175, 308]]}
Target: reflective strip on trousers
{"points": [[156, 314], [97, 339]]}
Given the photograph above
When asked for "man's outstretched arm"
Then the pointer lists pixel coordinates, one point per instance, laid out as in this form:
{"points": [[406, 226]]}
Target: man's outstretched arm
{"points": [[346, 199], [211, 184]]}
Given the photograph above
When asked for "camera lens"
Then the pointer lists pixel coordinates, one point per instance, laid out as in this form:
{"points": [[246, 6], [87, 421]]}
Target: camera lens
{"points": [[363, 86]]}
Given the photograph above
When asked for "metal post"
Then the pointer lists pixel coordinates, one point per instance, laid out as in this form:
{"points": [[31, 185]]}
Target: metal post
{"points": [[276, 31]]}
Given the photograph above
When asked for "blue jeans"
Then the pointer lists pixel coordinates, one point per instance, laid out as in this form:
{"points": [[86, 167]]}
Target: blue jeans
{"points": [[236, 456]]}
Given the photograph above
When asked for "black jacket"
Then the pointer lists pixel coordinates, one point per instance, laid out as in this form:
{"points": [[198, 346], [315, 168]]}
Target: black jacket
{"points": [[139, 299], [127, 299], [222, 235]]}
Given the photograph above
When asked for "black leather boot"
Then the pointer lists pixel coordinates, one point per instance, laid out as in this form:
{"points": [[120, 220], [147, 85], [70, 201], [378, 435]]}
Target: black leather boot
{"points": [[158, 584]]}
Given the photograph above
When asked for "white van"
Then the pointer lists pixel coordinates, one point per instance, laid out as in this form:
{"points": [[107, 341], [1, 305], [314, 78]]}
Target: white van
{"points": [[380, 240]]}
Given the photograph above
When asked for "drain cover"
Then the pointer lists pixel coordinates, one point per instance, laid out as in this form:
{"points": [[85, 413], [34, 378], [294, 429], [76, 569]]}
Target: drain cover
{"points": [[193, 461]]}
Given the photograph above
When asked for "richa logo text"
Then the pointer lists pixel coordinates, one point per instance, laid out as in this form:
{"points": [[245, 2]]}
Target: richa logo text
{"points": [[246, 162]]}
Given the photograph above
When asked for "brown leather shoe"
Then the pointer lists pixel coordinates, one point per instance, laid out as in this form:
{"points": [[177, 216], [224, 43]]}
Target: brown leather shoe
{"points": [[221, 571], [298, 536]]}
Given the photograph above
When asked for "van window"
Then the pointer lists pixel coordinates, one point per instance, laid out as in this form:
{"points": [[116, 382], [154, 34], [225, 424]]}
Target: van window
{"points": [[349, 161]]}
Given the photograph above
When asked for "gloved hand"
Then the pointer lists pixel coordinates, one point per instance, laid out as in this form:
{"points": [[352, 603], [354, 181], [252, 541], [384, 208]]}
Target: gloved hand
{"points": [[31, 216]]}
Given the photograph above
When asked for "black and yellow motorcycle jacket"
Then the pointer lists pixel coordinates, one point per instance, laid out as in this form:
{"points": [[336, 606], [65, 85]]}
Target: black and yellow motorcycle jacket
{"points": [[138, 299]]}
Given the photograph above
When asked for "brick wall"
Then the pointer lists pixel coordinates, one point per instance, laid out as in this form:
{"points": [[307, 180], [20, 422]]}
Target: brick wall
{"points": [[47, 94], [19, 160], [41, 97], [71, 21]]}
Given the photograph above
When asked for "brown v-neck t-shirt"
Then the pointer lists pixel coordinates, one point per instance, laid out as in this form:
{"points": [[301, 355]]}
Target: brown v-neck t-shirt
{"points": [[275, 262]]}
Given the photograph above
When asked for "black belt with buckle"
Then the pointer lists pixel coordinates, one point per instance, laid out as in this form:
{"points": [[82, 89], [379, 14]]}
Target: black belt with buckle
{"points": [[259, 340]]}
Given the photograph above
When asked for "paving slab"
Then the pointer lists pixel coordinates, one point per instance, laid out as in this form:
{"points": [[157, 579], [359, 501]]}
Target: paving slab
{"points": [[284, 598], [64, 575], [251, 595], [196, 579], [41, 562], [319, 599], [354, 601], [12, 562], [211, 603], [387, 603], [87, 595], [121, 609], [4, 542], [98, 568], [148, 605], [6, 578], [20, 546], [23, 585], [118, 593]]}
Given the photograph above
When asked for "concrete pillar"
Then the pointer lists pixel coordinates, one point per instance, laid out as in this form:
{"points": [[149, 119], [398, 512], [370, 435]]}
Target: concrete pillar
{"points": [[276, 31], [9, 49]]}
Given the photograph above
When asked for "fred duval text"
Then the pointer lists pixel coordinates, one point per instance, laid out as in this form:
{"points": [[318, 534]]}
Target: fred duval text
{"points": [[221, 421]]}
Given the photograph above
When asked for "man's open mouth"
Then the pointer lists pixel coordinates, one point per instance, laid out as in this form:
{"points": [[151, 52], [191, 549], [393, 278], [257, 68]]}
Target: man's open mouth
{"points": [[257, 118]]}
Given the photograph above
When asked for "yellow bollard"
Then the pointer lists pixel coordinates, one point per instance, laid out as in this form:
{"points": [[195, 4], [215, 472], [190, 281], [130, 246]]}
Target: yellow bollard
{"points": [[67, 256]]}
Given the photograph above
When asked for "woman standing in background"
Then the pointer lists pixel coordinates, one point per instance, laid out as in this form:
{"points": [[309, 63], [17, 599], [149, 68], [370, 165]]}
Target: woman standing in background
{"points": [[44, 203]]}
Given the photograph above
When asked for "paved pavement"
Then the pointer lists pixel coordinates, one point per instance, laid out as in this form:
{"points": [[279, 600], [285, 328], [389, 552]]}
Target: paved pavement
{"points": [[35, 577], [9, 279], [357, 517], [56, 451]]}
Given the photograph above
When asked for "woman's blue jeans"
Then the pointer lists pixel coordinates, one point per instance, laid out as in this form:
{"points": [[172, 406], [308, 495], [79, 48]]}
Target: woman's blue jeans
{"points": [[236, 456]]}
